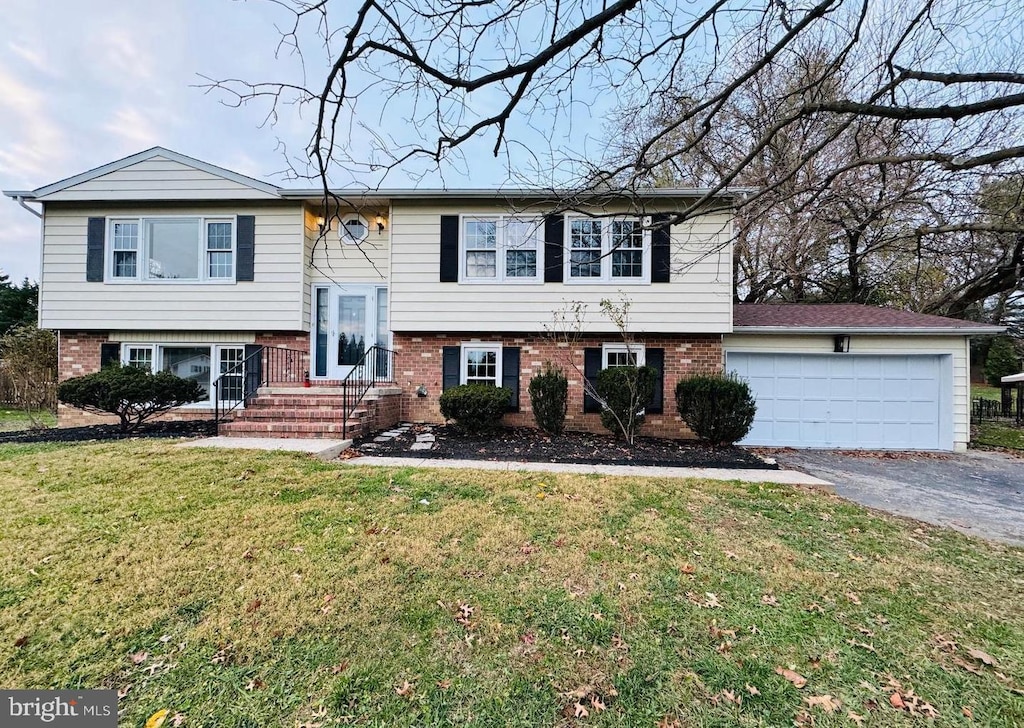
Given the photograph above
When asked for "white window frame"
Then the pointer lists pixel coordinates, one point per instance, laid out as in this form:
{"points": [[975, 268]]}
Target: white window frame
{"points": [[606, 276], [468, 346], [157, 359], [500, 249], [639, 350], [142, 250]]}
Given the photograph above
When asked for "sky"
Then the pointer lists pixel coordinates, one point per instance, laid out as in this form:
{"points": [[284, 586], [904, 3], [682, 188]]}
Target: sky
{"points": [[85, 83]]}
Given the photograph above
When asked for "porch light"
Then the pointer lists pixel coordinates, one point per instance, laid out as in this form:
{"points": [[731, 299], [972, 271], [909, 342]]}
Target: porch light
{"points": [[380, 223], [320, 222], [842, 344]]}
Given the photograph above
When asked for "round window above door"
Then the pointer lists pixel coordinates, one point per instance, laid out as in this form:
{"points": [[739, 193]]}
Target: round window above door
{"points": [[353, 230]]}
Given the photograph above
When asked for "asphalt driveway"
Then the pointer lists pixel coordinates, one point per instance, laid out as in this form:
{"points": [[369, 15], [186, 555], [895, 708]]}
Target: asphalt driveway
{"points": [[980, 493]]}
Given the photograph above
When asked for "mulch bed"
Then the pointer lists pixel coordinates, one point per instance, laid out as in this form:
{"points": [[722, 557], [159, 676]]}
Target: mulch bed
{"points": [[530, 445], [188, 428]]}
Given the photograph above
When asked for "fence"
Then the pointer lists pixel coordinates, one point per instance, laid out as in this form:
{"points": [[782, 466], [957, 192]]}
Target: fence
{"points": [[1009, 407], [19, 392]]}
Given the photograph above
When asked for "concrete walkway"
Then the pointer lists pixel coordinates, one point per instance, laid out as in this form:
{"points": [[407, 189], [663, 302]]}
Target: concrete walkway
{"points": [[788, 477], [322, 449]]}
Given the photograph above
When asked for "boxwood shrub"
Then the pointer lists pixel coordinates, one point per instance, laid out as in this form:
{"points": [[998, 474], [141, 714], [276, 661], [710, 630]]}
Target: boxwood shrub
{"points": [[475, 408], [718, 408], [549, 399]]}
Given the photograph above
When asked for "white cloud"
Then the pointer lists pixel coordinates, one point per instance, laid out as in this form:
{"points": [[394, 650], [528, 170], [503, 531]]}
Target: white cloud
{"points": [[35, 142], [133, 129]]}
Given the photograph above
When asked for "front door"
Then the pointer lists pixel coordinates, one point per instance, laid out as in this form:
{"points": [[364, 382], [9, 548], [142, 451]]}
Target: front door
{"points": [[349, 320]]}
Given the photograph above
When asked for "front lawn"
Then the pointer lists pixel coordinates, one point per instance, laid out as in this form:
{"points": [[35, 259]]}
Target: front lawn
{"points": [[998, 434], [15, 419], [238, 589]]}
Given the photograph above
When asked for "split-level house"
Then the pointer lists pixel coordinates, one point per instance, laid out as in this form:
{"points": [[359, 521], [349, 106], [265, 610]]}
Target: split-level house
{"points": [[305, 319]]}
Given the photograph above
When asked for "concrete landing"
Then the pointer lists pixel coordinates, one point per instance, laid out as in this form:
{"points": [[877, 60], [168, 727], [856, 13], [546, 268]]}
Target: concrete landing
{"points": [[788, 477], [323, 449]]}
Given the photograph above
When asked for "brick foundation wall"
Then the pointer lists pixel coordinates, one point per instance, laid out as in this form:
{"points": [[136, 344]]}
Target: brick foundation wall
{"points": [[78, 353], [383, 412], [418, 361]]}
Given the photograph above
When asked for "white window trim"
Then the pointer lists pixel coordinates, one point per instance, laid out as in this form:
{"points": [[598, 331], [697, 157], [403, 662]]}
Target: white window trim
{"points": [[499, 251], [467, 346], [619, 348], [157, 359], [142, 252], [606, 276]]}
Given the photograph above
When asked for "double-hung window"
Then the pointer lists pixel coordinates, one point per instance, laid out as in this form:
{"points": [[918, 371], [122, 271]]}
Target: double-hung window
{"points": [[603, 250], [502, 249], [201, 363], [481, 364], [189, 249]]}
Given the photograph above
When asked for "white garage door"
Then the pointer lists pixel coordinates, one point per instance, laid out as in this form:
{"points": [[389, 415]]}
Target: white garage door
{"points": [[847, 400]]}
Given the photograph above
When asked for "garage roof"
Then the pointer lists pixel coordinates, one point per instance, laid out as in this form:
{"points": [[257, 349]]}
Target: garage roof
{"points": [[836, 318]]}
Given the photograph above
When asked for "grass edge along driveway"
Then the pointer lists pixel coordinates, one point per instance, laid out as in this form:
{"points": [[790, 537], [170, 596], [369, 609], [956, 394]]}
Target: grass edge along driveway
{"points": [[266, 589]]}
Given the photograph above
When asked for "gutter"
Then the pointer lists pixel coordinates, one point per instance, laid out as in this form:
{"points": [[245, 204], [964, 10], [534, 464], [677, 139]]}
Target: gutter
{"points": [[979, 330], [490, 194], [20, 199]]}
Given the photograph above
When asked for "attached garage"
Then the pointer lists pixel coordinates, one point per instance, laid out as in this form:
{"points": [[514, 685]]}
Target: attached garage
{"points": [[853, 377]]}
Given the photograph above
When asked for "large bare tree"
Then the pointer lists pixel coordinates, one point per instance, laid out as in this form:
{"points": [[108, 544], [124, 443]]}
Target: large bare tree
{"points": [[924, 96]]}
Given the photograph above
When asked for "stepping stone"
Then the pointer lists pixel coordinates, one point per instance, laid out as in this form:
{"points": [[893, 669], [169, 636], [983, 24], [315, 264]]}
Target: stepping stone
{"points": [[384, 438], [421, 446], [425, 438]]}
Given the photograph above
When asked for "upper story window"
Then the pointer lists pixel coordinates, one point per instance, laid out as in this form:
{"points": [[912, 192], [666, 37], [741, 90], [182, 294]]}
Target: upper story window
{"points": [[608, 250], [172, 249], [502, 249]]}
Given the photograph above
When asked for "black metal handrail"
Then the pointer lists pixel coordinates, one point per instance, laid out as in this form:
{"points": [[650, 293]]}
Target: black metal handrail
{"points": [[262, 366], [374, 367]]}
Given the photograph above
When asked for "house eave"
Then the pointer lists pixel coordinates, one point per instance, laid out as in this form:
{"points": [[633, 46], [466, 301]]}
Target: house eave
{"points": [[878, 330]]}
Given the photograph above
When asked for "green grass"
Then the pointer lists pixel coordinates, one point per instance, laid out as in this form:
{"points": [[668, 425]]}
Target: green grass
{"points": [[984, 391], [14, 419], [996, 434], [242, 589]]}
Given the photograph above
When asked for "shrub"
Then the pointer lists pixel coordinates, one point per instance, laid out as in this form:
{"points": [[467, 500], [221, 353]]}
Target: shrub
{"points": [[132, 393], [549, 398], [719, 408], [28, 371], [1001, 361], [625, 391], [475, 408]]}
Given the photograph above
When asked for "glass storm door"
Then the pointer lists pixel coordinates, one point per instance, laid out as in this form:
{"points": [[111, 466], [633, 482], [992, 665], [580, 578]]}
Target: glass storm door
{"points": [[346, 324]]}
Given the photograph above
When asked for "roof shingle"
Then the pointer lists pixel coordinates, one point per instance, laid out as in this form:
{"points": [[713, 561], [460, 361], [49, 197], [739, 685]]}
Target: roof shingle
{"points": [[839, 316]]}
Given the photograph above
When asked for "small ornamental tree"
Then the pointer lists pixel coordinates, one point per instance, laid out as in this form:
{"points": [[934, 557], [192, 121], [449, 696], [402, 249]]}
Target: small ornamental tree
{"points": [[624, 392], [718, 408], [475, 408], [28, 370], [1001, 361], [132, 393], [549, 399]]}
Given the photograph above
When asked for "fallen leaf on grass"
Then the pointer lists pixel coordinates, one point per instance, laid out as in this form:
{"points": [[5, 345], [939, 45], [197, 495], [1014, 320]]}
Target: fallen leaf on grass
{"points": [[579, 711], [668, 722], [825, 702], [405, 689], [796, 678], [248, 555], [852, 596], [687, 569], [982, 657], [944, 643], [157, 719], [255, 684], [864, 646], [968, 713], [858, 719], [444, 684], [178, 719], [814, 607], [340, 667], [138, 658], [596, 703], [752, 690], [769, 600], [21, 641]]}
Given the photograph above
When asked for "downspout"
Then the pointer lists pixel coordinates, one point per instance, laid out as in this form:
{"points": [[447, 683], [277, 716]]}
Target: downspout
{"points": [[21, 201]]}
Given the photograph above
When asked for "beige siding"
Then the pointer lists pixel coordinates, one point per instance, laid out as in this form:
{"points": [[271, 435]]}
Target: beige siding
{"points": [[158, 179], [183, 337], [272, 302], [955, 346], [698, 300], [328, 261]]}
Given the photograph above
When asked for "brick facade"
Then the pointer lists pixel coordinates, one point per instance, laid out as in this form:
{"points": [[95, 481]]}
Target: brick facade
{"points": [[418, 362], [78, 353]]}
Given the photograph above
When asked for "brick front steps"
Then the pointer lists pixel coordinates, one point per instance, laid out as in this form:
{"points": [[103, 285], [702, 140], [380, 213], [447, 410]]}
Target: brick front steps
{"points": [[312, 412]]}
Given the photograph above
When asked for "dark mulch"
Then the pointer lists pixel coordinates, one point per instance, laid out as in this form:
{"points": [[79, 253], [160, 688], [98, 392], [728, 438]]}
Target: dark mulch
{"points": [[530, 445], [189, 428]]}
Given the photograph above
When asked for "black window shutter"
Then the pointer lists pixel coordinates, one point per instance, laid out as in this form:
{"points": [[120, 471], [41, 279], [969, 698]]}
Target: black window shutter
{"points": [[592, 360], [245, 247], [94, 249], [655, 358], [450, 366], [253, 367], [661, 250], [449, 248], [554, 247], [510, 374], [110, 353]]}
